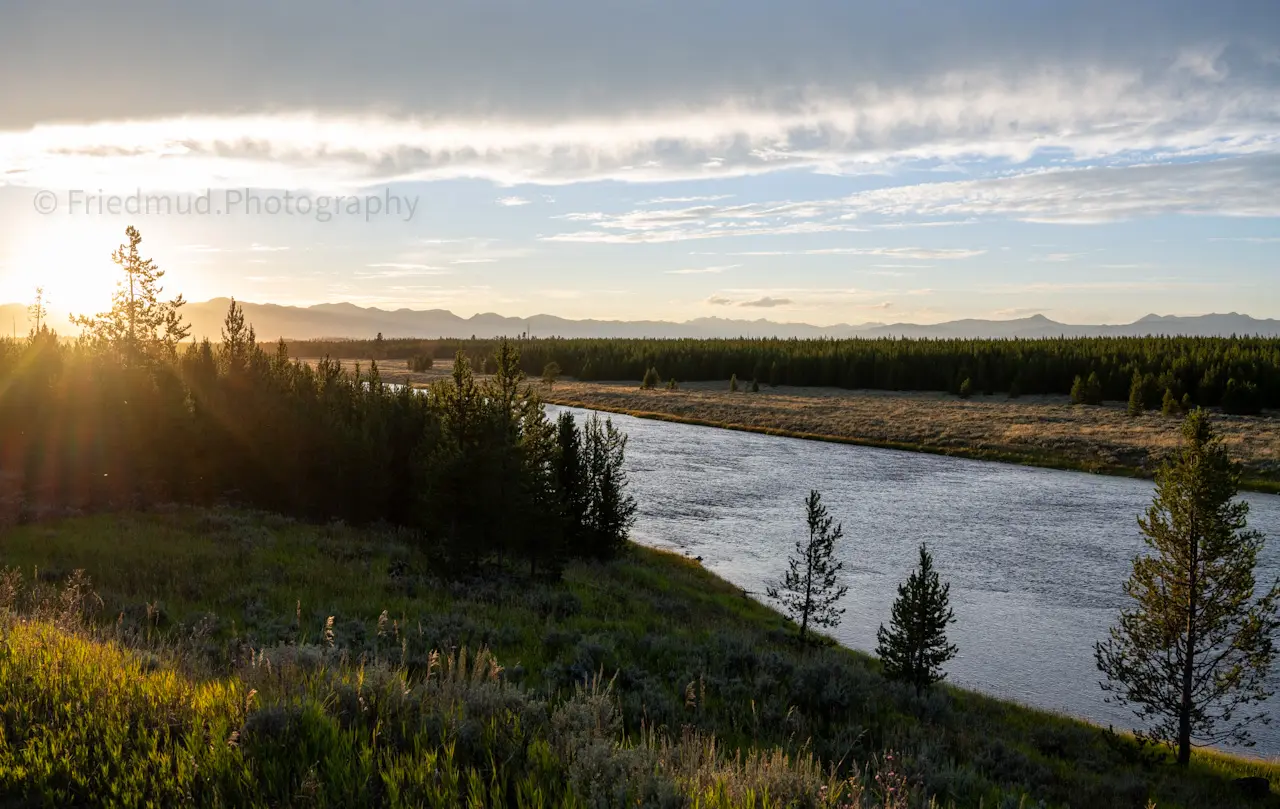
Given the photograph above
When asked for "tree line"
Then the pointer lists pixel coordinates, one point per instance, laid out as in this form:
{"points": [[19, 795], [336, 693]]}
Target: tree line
{"points": [[130, 414], [1241, 373]]}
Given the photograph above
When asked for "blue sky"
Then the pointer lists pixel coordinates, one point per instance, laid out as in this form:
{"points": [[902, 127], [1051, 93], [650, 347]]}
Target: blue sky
{"points": [[809, 161]]}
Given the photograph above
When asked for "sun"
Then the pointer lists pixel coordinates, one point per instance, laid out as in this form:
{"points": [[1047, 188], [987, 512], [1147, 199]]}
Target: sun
{"points": [[71, 261]]}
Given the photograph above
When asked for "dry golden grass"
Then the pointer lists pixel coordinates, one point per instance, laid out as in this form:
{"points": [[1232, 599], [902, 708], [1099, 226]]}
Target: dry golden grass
{"points": [[1040, 430]]}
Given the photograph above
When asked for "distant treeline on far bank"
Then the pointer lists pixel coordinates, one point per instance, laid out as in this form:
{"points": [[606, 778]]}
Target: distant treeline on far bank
{"points": [[1199, 368]]}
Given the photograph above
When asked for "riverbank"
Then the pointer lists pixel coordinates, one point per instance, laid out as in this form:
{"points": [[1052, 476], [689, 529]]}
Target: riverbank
{"points": [[685, 656], [1040, 431], [1044, 431]]}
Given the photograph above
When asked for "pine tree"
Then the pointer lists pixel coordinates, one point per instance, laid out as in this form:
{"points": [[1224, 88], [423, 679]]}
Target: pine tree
{"points": [[1169, 405], [611, 512], [1077, 390], [966, 388], [733, 383], [138, 321], [550, 373], [755, 386], [915, 646], [651, 379], [1093, 389], [1191, 655], [1137, 406], [37, 312], [810, 588]]}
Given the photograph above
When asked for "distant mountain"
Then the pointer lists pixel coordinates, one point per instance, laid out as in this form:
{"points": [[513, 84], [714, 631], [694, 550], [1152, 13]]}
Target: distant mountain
{"points": [[346, 320]]}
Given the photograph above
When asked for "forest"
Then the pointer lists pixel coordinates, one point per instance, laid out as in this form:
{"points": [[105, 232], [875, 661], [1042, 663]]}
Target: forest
{"points": [[129, 415], [1239, 374]]}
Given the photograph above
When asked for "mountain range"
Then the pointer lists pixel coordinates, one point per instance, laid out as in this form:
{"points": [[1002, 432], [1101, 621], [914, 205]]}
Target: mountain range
{"points": [[346, 320]]}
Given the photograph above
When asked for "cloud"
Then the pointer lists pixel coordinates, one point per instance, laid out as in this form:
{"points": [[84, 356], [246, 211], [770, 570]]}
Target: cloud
{"points": [[265, 248], [512, 202], [399, 269], [680, 200], [956, 115], [766, 303], [1018, 312], [1241, 186], [702, 270]]}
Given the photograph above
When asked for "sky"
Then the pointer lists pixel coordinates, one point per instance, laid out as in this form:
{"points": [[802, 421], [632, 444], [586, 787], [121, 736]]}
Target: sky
{"points": [[824, 161]]}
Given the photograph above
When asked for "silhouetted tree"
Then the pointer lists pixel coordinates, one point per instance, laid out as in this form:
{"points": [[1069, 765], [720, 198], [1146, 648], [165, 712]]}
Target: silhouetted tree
{"points": [[138, 320], [1192, 653], [914, 647], [810, 589], [37, 312]]}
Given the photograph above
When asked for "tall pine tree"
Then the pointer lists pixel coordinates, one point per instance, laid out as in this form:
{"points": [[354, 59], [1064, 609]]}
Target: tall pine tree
{"points": [[1192, 653]]}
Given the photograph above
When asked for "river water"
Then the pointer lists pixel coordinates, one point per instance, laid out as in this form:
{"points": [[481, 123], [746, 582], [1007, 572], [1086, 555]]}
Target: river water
{"points": [[1036, 557]]}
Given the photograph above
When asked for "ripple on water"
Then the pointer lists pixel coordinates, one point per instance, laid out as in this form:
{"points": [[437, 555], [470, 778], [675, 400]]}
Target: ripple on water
{"points": [[1036, 557]]}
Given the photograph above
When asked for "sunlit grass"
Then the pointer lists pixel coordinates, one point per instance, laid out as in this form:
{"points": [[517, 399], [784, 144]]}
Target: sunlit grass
{"points": [[344, 639]]}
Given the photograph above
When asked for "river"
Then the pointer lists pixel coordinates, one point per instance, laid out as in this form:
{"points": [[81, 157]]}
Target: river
{"points": [[1036, 558]]}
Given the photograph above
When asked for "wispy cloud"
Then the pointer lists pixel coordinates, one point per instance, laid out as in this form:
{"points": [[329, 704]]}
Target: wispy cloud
{"points": [[513, 202], [703, 270]]}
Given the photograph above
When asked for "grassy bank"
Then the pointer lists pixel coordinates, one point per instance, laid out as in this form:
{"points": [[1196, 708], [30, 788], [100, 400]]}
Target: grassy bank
{"points": [[230, 657], [1039, 431]]}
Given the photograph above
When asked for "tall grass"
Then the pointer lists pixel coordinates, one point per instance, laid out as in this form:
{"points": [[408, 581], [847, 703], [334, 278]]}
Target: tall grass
{"points": [[234, 658]]}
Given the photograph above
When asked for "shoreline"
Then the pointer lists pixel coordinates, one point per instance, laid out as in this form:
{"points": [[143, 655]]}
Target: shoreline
{"points": [[1042, 461]]}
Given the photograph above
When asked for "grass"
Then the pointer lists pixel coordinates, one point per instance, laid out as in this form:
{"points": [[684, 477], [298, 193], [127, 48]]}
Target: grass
{"points": [[645, 680], [1035, 431], [1045, 431]]}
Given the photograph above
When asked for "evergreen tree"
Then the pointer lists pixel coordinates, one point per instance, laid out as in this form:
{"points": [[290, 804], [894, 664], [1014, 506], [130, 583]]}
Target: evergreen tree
{"points": [[651, 379], [1077, 391], [773, 374], [139, 321], [1191, 655], [612, 511], [755, 386], [810, 588], [915, 646], [1137, 404], [671, 384], [733, 383], [966, 388], [421, 363], [574, 485], [1169, 405], [1093, 389], [37, 312], [550, 373]]}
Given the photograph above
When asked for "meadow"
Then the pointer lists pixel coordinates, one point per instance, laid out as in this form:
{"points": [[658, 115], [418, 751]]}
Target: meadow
{"points": [[224, 657]]}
